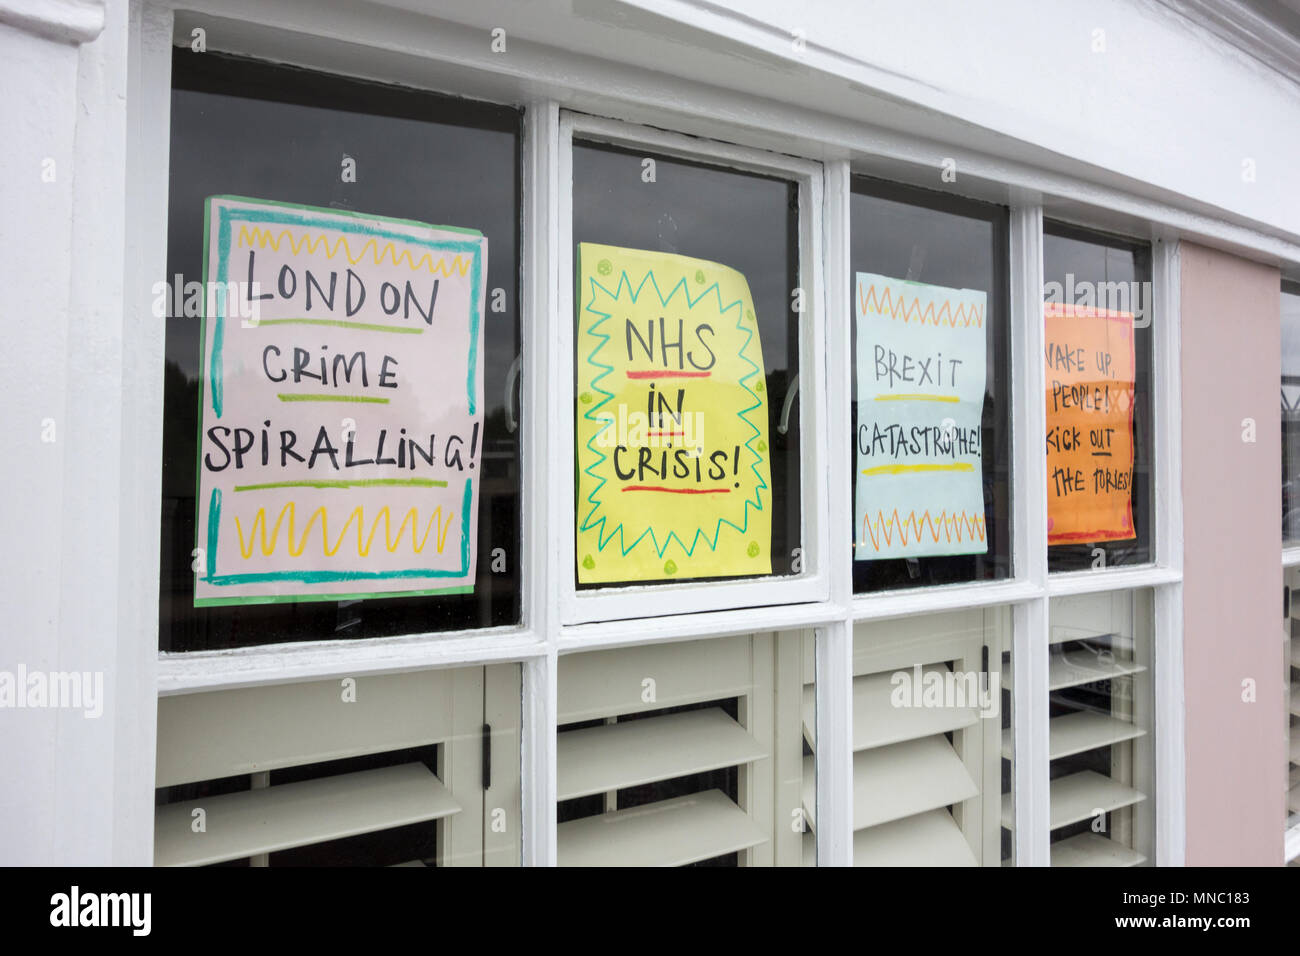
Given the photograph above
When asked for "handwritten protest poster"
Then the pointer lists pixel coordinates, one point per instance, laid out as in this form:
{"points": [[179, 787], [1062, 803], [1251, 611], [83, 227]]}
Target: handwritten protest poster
{"points": [[920, 378], [673, 474], [342, 414], [1090, 378]]}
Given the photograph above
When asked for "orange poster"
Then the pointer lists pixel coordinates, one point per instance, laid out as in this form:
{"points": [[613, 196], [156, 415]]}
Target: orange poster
{"points": [[1090, 365]]}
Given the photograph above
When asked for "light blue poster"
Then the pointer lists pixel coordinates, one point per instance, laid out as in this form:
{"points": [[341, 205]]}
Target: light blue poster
{"points": [[920, 378]]}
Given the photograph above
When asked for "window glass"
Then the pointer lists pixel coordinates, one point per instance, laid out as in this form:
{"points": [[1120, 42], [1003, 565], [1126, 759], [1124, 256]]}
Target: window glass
{"points": [[1101, 729], [694, 753], [686, 352], [1098, 310], [932, 740], [931, 388], [1291, 691], [283, 135], [1290, 413]]}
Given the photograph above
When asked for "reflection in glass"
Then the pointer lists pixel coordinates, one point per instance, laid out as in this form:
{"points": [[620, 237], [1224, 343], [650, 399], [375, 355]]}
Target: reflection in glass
{"points": [[1291, 692], [1290, 412]]}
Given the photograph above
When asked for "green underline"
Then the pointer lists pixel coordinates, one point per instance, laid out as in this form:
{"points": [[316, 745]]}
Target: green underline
{"points": [[359, 483], [340, 324], [290, 397]]}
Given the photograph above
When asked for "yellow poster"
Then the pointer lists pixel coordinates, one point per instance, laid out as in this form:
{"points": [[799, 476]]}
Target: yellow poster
{"points": [[672, 446]]}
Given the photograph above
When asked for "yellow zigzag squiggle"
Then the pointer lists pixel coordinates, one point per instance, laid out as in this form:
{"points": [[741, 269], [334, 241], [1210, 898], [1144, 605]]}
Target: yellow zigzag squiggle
{"points": [[254, 236], [958, 525], [391, 542], [908, 310]]}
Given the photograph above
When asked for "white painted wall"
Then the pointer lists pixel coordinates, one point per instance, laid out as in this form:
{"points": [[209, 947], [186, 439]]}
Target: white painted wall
{"points": [[1166, 104], [63, 70], [1168, 111]]}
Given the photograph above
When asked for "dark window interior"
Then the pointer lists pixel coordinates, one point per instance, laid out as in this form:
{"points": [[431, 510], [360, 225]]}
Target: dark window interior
{"points": [[741, 220], [249, 128], [1093, 257], [927, 236]]}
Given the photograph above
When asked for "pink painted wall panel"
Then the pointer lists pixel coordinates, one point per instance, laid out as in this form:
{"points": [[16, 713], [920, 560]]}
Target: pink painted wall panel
{"points": [[1232, 595]]}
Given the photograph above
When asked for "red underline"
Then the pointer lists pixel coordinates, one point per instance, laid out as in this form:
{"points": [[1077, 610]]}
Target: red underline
{"points": [[680, 491], [667, 374], [667, 434]]}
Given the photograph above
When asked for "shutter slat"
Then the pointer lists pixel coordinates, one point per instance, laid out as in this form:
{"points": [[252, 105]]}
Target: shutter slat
{"points": [[633, 752], [902, 779], [1079, 732], [297, 814], [924, 839], [668, 833], [1077, 796], [1093, 849], [1073, 798], [1062, 635], [877, 722], [1295, 698], [1079, 667]]}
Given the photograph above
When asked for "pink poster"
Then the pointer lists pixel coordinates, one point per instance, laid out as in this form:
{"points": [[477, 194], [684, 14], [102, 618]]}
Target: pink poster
{"points": [[342, 418]]}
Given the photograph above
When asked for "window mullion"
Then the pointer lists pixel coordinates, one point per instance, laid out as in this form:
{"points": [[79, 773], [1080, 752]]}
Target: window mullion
{"points": [[834, 767], [544, 460], [1030, 705], [1169, 710], [834, 713]]}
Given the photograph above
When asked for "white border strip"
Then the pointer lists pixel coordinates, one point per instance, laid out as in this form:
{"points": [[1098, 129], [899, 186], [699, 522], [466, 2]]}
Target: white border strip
{"points": [[1114, 579], [695, 626], [834, 648], [1170, 701], [1030, 709], [319, 660], [541, 199]]}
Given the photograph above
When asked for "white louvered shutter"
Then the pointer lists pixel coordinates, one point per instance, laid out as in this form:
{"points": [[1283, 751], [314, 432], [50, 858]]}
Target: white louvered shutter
{"points": [[253, 732], [624, 730], [1100, 642], [925, 779]]}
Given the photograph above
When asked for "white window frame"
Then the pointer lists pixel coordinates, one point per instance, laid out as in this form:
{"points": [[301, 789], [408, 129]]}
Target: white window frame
{"points": [[659, 598], [408, 49]]}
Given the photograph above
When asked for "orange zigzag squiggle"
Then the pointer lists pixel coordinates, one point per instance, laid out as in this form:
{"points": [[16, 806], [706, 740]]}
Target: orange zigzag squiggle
{"points": [[252, 235], [909, 309], [955, 526]]}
